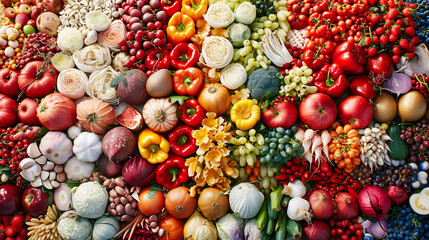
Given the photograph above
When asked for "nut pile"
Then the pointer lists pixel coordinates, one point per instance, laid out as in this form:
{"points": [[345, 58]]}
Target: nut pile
{"points": [[44, 227], [122, 205], [374, 149], [39, 171]]}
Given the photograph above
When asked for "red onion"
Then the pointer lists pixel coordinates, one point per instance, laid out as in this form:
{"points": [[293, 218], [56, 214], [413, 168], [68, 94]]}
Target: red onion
{"points": [[378, 229], [321, 204], [317, 230], [347, 206], [374, 202], [398, 83], [138, 171], [398, 195]]}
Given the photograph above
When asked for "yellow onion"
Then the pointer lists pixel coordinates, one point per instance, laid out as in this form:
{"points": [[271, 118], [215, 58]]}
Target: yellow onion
{"points": [[72, 83], [197, 227], [111, 36]]}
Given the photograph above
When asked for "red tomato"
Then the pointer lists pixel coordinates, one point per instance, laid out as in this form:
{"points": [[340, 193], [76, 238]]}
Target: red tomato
{"points": [[36, 84], [151, 201], [173, 228], [8, 108]]}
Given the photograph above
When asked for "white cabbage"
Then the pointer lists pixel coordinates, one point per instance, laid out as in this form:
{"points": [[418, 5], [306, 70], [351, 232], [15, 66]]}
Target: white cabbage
{"points": [[70, 40], [245, 13], [219, 15], [217, 52], [92, 58], [233, 76], [62, 61]]}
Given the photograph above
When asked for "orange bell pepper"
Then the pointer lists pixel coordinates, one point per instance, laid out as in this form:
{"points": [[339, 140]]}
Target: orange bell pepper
{"points": [[195, 8], [180, 28]]}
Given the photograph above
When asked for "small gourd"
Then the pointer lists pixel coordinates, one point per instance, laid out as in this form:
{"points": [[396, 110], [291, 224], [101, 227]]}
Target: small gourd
{"points": [[160, 114], [398, 148], [95, 115], [87, 147]]}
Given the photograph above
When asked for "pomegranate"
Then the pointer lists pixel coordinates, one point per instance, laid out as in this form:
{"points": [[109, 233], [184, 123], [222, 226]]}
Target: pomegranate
{"points": [[347, 206], [322, 204], [131, 119]]}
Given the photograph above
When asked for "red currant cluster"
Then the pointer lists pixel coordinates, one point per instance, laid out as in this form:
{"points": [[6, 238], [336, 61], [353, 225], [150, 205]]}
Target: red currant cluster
{"points": [[146, 23], [13, 147], [290, 99], [420, 83], [36, 45], [345, 229]]}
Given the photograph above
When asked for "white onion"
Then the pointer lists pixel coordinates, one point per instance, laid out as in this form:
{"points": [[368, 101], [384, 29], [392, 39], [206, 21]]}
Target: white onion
{"points": [[295, 189], [92, 58], [299, 209], [246, 200]]}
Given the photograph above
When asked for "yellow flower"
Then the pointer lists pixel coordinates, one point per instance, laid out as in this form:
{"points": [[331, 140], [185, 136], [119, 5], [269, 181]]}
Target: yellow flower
{"points": [[220, 137], [192, 165], [212, 175], [239, 95], [201, 135], [223, 183], [211, 121], [228, 167], [200, 180], [204, 147], [214, 155]]}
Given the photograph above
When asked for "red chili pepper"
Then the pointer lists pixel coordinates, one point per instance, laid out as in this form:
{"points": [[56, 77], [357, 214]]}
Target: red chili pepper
{"points": [[291, 178], [171, 6], [330, 79], [192, 113], [281, 177], [184, 55], [172, 173], [350, 57], [182, 142], [157, 58]]}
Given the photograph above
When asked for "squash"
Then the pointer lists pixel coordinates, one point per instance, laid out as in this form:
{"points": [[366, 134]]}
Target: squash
{"points": [[214, 97], [95, 115], [87, 147], [212, 203], [160, 115], [398, 148], [179, 202]]}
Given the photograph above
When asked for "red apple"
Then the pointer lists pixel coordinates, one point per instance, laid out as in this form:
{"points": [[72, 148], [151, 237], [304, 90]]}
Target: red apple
{"points": [[318, 111], [54, 6], [24, 8], [27, 112], [35, 202], [6, 3], [24, 2], [356, 111], [362, 85], [9, 82], [380, 66], [10, 13], [32, 23], [22, 19], [9, 199], [282, 114], [35, 13]]}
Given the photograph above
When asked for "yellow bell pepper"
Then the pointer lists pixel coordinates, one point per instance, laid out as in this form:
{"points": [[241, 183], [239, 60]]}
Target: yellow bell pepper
{"points": [[180, 28], [195, 8], [245, 114], [153, 147]]}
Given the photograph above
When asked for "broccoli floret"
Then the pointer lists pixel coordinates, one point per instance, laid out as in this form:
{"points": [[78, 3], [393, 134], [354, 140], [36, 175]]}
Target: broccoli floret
{"points": [[263, 82]]}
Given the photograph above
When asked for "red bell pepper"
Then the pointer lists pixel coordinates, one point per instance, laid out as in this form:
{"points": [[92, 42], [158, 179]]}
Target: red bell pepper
{"points": [[192, 113], [184, 55], [188, 81], [172, 173], [157, 58], [350, 56], [171, 6], [330, 79], [182, 142], [314, 59]]}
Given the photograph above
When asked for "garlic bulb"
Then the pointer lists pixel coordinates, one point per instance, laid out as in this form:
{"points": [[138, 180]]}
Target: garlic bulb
{"points": [[91, 37], [245, 13], [87, 147], [70, 40], [111, 36], [217, 52], [72, 83], [219, 15], [62, 61], [92, 58], [99, 85], [233, 76], [56, 147], [97, 20], [119, 60]]}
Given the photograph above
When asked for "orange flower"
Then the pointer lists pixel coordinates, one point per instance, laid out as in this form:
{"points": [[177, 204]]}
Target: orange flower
{"points": [[220, 32], [201, 135], [211, 122], [213, 156], [204, 147], [192, 165], [239, 95], [212, 175], [223, 183]]}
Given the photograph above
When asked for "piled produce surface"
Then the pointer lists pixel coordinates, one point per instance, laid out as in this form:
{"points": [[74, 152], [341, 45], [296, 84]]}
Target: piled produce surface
{"points": [[214, 119]]}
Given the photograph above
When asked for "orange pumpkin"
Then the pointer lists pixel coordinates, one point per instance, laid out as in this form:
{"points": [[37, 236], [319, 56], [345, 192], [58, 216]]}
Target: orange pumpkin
{"points": [[179, 203], [95, 115], [159, 114], [173, 228], [151, 201], [212, 203], [214, 97]]}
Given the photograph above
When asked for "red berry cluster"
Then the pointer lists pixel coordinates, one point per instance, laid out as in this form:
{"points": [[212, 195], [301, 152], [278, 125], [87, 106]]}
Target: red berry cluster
{"points": [[13, 147], [345, 229], [420, 83], [36, 45], [13, 227], [295, 169], [338, 181]]}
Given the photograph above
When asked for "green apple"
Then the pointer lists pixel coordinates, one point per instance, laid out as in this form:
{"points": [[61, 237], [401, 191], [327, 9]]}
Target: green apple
{"points": [[28, 29]]}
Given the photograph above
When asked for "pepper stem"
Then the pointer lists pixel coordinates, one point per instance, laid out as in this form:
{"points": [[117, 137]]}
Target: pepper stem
{"points": [[194, 5], [184, 57], [153, 148], [329, 80], [187, 81], [182, 140], [190, 111], [173, 172], [180, 27]]}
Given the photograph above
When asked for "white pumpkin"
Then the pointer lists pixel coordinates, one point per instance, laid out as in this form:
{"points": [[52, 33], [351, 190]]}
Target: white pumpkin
{"points": [[246, 200], [87, 147]]}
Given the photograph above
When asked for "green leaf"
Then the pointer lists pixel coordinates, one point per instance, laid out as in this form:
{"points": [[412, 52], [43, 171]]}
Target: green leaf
{"points": [[73, 184], [265, 105], [178, 99], [42, 132], [120, 78]]}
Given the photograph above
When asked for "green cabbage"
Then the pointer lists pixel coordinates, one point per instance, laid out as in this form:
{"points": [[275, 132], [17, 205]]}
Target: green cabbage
{"points": [[238, 33]]}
